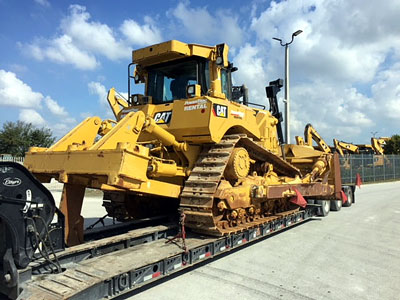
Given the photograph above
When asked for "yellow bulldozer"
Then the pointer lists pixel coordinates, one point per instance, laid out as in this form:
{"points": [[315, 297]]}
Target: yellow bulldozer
{"points": [[191, 141]]}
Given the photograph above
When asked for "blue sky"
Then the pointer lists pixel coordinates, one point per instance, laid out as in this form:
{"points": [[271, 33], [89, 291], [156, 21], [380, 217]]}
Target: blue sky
{"points": [[59, 58]]}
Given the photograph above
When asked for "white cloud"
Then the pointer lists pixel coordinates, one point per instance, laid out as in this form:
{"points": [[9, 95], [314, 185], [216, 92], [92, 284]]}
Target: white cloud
{"points": [[251, 72], [32, 116], [44, 3], [147, 34], [386, 91], [62, 50], [54, 108], [341, 40], [60, 129], [335, 111], [82, 42], [200, 26], [92, 36], [343, 79], [96, 88], [15, 92]]}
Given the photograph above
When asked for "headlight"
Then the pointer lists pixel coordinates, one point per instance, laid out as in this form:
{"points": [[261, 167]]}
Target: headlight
{"points": [[190, 90]]}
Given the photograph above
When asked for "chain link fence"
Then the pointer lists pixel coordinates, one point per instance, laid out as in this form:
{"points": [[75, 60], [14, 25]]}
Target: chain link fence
{"points": [[372, 168], [8, 157]]}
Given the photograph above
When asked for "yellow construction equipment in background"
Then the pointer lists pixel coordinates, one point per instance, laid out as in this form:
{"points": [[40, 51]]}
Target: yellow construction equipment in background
{"points": [[376, 147], [345, 148], [310, 135], [378, 143]]}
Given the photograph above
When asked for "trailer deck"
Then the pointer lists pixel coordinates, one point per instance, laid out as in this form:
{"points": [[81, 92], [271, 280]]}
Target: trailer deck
{"points": [[113, 266]]}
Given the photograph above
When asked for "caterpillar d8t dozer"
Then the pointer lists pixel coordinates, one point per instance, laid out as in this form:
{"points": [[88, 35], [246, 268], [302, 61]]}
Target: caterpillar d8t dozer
{"points": [[192, 142]]}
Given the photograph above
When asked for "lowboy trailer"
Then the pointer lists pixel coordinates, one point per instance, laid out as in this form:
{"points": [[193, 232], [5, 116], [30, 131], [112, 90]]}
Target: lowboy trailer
{"points": [[112, 265]]}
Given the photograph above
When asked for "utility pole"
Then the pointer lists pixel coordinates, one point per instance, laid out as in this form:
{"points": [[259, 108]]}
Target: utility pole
{"points": [[287, 93]]}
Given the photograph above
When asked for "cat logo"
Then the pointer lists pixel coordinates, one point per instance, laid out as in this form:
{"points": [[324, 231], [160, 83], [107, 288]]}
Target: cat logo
{"points": [[220, 111], [163, 117]]}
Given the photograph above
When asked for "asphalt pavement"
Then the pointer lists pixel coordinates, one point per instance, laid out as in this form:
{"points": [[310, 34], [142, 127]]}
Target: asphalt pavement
{"points": [[350, 254]]}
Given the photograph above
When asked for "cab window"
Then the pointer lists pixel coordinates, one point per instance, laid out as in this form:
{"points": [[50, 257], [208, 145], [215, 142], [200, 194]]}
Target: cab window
{"points": [[168, 82]]}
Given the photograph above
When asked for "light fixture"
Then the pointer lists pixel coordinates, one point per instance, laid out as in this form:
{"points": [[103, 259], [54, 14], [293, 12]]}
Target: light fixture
{"points": [[297, 32], [193, 90], [190, 89]]}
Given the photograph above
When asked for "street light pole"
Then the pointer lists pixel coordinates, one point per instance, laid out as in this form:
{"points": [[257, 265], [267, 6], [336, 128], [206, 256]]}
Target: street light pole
{"points": [[287, 93], [287, 96]]}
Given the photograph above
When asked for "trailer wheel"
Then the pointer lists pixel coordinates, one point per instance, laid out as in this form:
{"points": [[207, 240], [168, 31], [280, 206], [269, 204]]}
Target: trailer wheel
{"points": [[336, 205], [324, 209], [349, 193]]}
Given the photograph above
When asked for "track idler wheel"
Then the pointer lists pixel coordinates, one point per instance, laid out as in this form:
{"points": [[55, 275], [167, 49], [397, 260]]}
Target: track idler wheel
{"points": [[238, 165]]}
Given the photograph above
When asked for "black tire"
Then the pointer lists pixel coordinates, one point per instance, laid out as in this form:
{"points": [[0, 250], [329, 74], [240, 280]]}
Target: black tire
{"points": [[336, 205], [350, 196], [325, 207]]}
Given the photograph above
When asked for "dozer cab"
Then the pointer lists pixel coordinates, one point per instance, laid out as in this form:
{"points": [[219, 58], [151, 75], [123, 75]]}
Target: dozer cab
{"points": [[191, 141]]}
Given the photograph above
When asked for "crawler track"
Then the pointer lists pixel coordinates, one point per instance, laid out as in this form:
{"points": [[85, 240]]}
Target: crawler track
{"points": [[197, 198]]}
